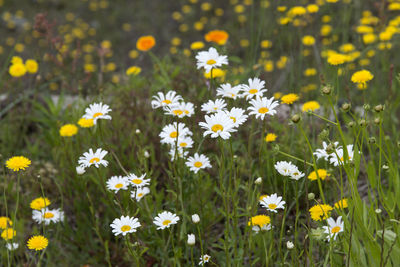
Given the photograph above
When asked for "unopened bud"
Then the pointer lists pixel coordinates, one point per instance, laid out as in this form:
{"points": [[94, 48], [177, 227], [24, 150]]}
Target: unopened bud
{"points": [[362, 123], [137, 131], [311, 196], [372, 140], [351, 124], [258, 180], [377, 121], [379, 108], [289, 245], [191, 239], [195, 218], [366, 107], [324, 134], [385, 167], [346, 107], [330, 148], [327, 89], [378, 211], [146, 154], [296, 118]]}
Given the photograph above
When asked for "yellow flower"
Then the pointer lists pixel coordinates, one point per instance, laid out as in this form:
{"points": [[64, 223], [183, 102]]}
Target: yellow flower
{"points": [[312, 8], [40, 203], [17, 70], [134, 70], [37, 242], [308, 40], [215, 73], [259, 220], [133, 54], [16, 60], [277, 95], [5, 222], [197, 45], [145, 43], [289, 98], [336, 59], [85, 123], [310, 106], [320, 212], [361, 78], [18, 163], [217, 36], [369, 38], [31, 65], [262, 196], [89, 67], [266, 44], [310, 72], [8, 234], [341, 204], [270, 137], [322, 174], [68, 130]]}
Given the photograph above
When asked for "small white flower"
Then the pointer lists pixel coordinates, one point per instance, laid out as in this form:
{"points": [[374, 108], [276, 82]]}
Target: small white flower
{"points": [[213, 106], [171, 132], [161, 100], [12, 246], [210, 59], [146, 154], [296, 175], [203, 259], [115, 183], [184, 142], [258, 180], [289, 245], [124, 225], [262, 106], [137, 131], [198, 162], [285, 168], [338, 157], [180, 109], [89, 158], [165, 219], [137, 181], [272, 203], [191, 239], [97, 111], [254, 88], [195, 218], [218, 125], [80, 170], [237, 115], [140, 192], [47, 216], [226, 90], [334, 227]]}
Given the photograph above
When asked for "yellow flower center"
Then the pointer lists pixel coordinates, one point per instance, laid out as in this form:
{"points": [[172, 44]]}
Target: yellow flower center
{"points": [[166, 101], [263, 110], [198, 164], [335, 229], [94, 160], [253, 91], [97, 114], [272, 206], [217, 127], [173, 134], [211, 61], [125, 228], [178, 112], [183, 144], [137, 181], [48, 215], [119, 185], [166, 222], [140, 194], [233, 118]]}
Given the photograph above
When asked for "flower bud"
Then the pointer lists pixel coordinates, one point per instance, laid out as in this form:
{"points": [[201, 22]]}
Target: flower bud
{"points": [[379, 108], [191, 239], [295, 118], [330, 148], [351, 124], [385, 167], [324, 134], [377, 211], [327, 89], [137, 131], [366, 107], [377, 121], [372, 140], [146, 154], [362, 123], [195, 218], [258, 180], [311, 196], [289, 245], [346, 107], [80, 170]]}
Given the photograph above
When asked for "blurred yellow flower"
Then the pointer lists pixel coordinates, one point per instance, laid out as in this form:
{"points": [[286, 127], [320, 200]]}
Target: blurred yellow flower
{"points": [[8, 234], [85, 123], [361, 78], [5, 222], [17, 70], [216, 73], [217, 36], [31, 65], [197, 45], [308, 40], [342, 204], [40, 203], [134, 70], [271, 137], [68, 130], [336, 59], [145, 43], [320, 212], [322, 174], [289, 98], [310, 106]]}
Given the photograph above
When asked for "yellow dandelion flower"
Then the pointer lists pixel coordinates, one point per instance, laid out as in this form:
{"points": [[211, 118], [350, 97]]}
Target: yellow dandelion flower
{"points": [[215, 73], [259, 220], [361, 78], [342, 204], [37, 242], [134, 70], [322, 174], [18, 163], [68, 130], [270, 137], [85, 123], [289, 98], [8, 234], [5, 222], [308, 40], [310, 106], [31, 66], [40, 203], [320, 212], [336, 59], [17, 70]]}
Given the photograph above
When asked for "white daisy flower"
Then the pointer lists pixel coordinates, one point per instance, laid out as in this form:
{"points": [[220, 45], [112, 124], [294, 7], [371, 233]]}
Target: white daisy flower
{"points": [[180, 109], [165, 219], [12, 246], [124, 225], [97, 111], [262, 106], [161, 100], [115, 183], [184, 142], [226, 90], [140, 192], [213, 106], [334, 227], [198, 162], [170, 132], [89, 158], [321, 153], [237, 115], [338, 157], [137, 181], [181, 153], [296, 174], [203, 259], [210, 59], [254, 88], [47, 216], [285, 168], [218, 124], [272, 203]]}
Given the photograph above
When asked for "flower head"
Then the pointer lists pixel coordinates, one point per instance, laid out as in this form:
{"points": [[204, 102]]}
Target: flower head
{"points": [[174, 131], [342, 204], [210, 59], [145, 43], [261, 106], [254, 88], [97, 111], [93, 158], [217, 36], [260, 222], [140, 192], [289, 98], [116, 183], [161, 100], [322, 174], [334, 228], [17, 70], [124, 225], [165, 219], [218, 125], [204, 258], [270, 137], [18, 163], [229, 91], [310, 106], [31, 66], [320, 212], [198, 162], [40, 203], [86, 123], [137, 181], [47, 216], [8, 234], [272, 203], [213, 106], [361, 78], [37, 242], [237, 115], [5, 222], [68, 130]]}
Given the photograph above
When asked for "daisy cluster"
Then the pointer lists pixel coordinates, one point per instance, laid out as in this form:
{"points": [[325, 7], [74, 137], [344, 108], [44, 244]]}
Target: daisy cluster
{"points": [[334, 153]]}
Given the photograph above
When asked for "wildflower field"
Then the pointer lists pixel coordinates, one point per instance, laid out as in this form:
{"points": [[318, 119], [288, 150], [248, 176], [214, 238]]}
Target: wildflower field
{"points": [[200, 133]]}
